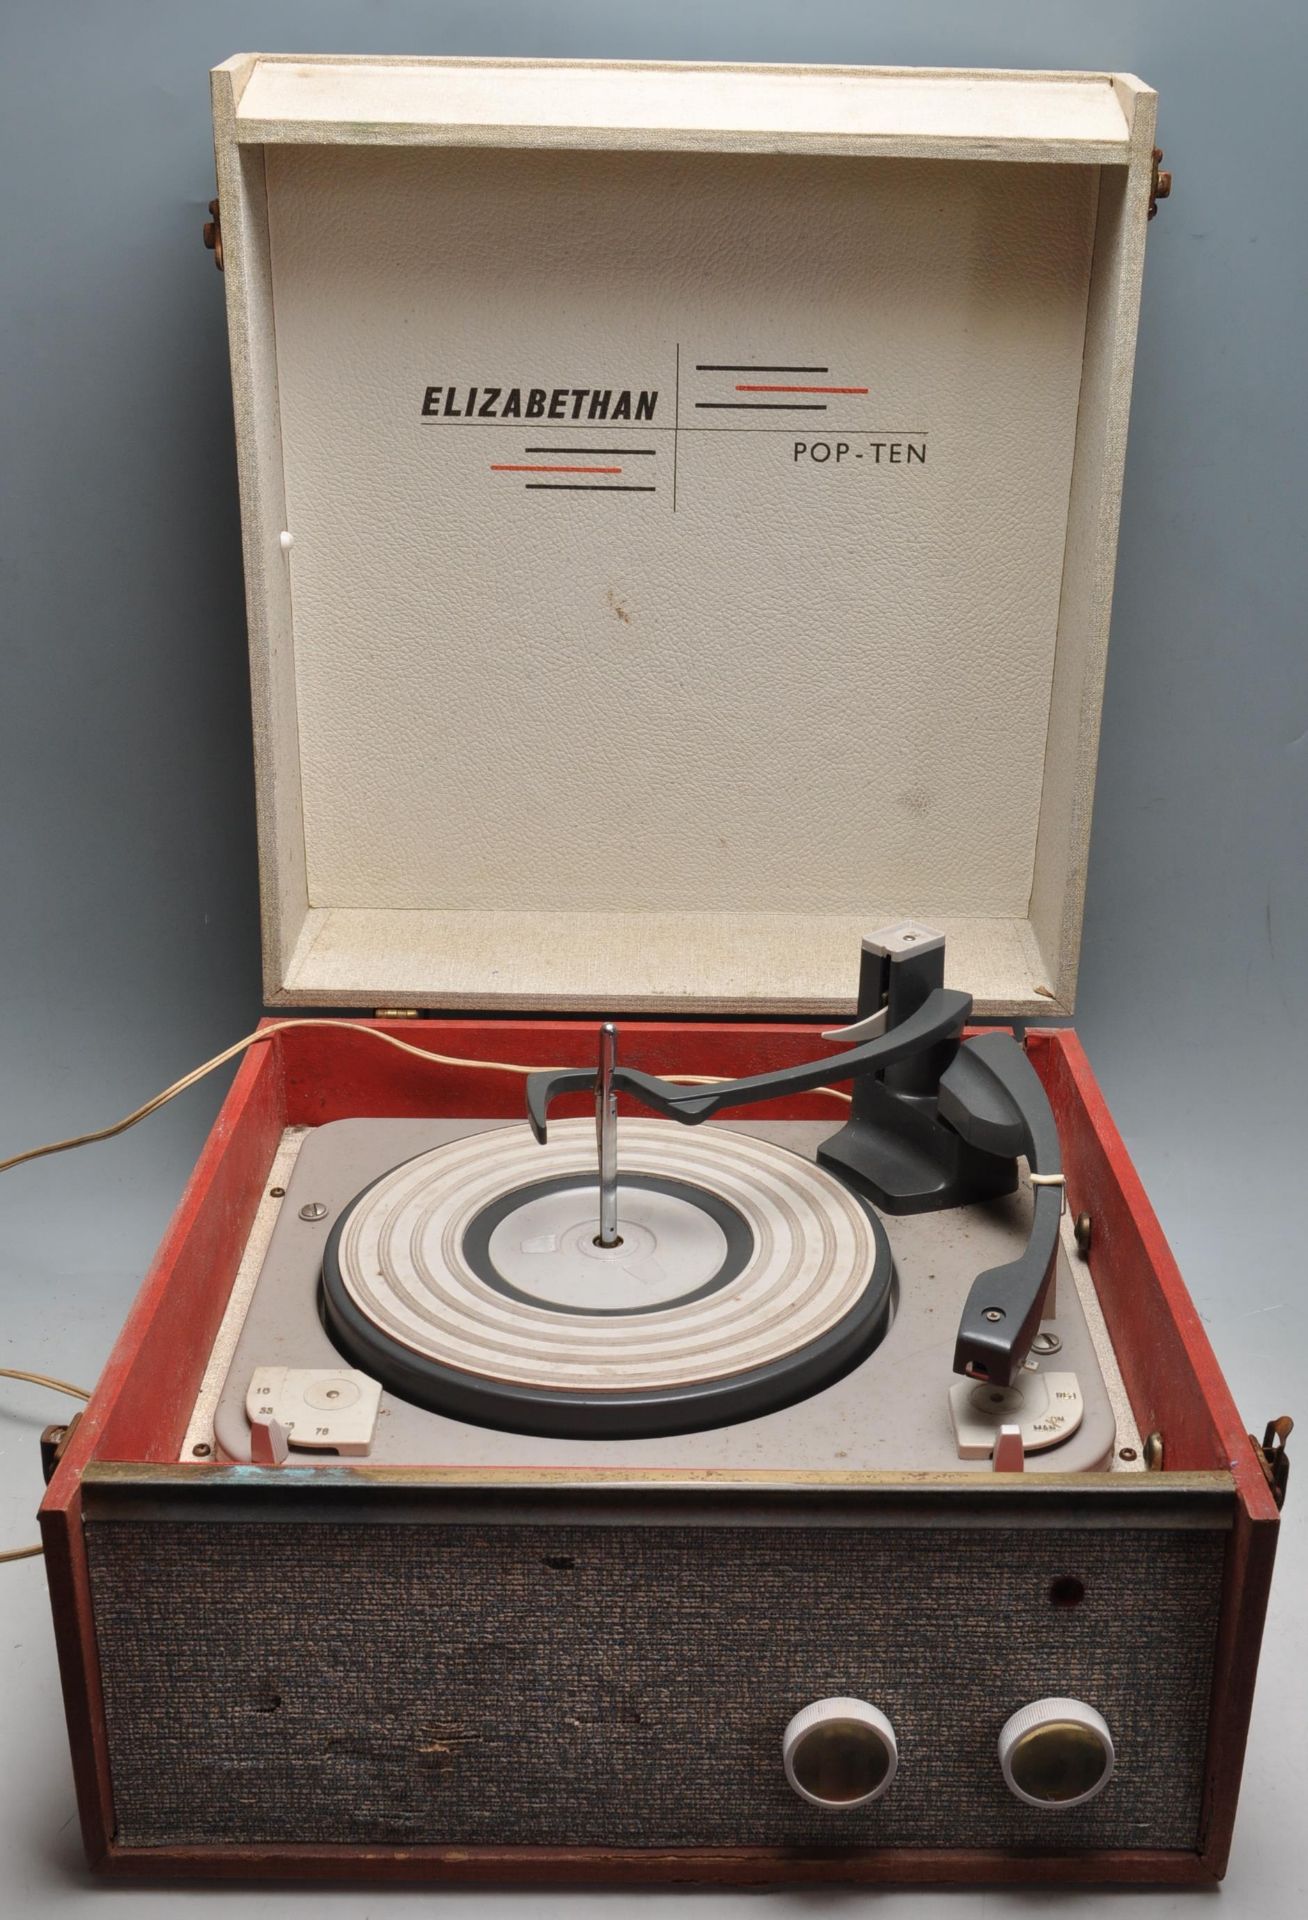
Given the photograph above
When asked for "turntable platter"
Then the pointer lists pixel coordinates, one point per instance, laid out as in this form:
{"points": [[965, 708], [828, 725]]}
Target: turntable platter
{"points": [[471, 1280]]}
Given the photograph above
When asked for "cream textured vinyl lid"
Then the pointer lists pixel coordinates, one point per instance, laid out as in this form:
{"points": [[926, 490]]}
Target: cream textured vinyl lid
{"points": [[820, 645], [647, 102], [554, 662]]}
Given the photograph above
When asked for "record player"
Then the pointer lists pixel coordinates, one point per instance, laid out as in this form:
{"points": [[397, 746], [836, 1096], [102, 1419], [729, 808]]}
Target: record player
{"points": [[679, 1390]]}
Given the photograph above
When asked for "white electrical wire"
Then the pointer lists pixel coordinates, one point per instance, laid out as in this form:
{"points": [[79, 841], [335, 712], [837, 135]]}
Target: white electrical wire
{"points": [[284, 1026]]}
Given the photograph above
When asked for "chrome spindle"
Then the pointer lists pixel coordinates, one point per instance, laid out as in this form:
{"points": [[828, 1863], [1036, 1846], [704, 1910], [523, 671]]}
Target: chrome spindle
{"points": [[606, 1136]]}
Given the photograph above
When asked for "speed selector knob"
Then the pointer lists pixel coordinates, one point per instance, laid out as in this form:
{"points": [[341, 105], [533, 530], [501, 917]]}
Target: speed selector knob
{"points": [[1056, 1753], [840, 1753]]}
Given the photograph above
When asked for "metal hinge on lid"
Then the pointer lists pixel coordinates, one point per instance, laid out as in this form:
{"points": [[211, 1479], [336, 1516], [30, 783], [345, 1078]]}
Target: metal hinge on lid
{"points": [[395, 1013], [1160, 184], [53, 1442], [1272, 1456], [213, 234]]}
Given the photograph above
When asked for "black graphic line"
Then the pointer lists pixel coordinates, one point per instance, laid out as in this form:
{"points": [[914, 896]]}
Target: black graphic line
{"points": [[764, 406], [910, 433], [514, 423], [855, 433], [579, 486], [712, 366], [624, 453], [676, 420]]}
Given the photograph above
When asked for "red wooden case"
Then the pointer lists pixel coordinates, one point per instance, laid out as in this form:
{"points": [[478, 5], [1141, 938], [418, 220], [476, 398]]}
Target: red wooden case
{"points": [[381, 583], [127, 1442]]}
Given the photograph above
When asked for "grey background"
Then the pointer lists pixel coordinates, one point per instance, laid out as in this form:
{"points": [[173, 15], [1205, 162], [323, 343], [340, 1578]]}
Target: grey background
{"points": [[129, 939]]}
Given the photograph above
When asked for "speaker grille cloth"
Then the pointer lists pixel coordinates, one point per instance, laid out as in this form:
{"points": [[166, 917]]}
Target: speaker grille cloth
{"points": [[628, 1686]]}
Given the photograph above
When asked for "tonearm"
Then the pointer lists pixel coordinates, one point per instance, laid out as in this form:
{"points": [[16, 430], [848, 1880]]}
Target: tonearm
{"points": [[937, 1120]]}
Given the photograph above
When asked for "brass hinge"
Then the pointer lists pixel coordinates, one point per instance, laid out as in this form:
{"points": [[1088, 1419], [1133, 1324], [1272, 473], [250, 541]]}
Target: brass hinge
{"points": [[395, 1013], [53, 1442], [1273, 1458], [1160, 185], [213, 234]]}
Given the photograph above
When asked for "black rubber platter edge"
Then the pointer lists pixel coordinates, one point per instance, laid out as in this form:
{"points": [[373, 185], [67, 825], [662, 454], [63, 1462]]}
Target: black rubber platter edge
{"points": [[640, 1414]]}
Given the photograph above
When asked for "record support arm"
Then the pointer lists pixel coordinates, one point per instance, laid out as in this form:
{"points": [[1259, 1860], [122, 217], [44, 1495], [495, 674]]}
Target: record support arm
{"points": [[936, 1121]]}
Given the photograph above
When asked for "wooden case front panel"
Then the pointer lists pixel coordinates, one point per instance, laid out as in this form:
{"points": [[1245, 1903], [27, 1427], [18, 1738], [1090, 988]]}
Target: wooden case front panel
{"points": [[338, 1673]]}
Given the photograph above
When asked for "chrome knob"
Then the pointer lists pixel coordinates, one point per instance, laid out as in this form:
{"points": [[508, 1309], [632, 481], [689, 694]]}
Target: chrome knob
{"points": [[840, 1753], [1056, 1753]]}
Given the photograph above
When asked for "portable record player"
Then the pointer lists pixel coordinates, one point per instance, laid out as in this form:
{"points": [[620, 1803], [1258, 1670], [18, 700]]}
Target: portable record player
{"points": [[671, 1395]]}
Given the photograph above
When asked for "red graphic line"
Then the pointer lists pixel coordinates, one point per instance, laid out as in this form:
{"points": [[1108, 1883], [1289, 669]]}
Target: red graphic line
{"points": [[497, 469], [740, 389]]}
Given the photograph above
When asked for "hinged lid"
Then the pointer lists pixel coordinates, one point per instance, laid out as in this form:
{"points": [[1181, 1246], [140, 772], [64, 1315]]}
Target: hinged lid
{"points": [[679, 509]]}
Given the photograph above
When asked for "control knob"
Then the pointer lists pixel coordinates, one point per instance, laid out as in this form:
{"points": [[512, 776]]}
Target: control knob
{"points": [[840, 1753], [1056, 1753]]}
